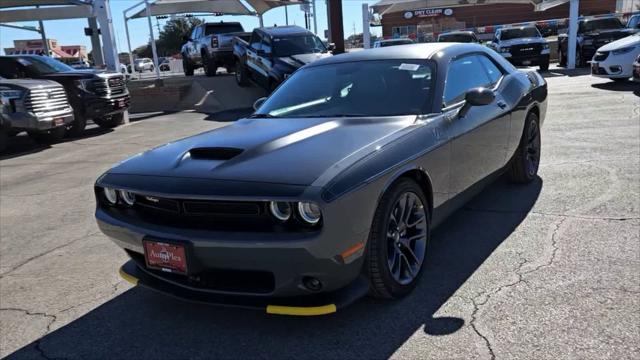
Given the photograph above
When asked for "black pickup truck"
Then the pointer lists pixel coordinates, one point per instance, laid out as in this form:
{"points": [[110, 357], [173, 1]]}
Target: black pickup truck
{"points": [[593, 33], [274, 53], [97, 95], [209, 46]]}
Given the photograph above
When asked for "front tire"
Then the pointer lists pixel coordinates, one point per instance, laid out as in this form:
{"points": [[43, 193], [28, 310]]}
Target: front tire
{"points": [[4, 140], [210, 67], [109, 122], [544, 65], [526, 161], [398, 241], [187, 66], [77, 126], [48, 136], [242, 78]]}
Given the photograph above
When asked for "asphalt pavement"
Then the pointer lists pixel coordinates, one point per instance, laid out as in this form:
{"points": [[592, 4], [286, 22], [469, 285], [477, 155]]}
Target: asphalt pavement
{"points": [[546, 271]]}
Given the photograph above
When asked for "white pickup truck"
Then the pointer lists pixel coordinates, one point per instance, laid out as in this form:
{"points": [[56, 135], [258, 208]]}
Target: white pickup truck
{"points": [[522, 45]]}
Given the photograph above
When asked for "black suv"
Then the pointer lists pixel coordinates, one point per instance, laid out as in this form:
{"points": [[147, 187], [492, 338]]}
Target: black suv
{"points": [[593, 33], [96, 95]]}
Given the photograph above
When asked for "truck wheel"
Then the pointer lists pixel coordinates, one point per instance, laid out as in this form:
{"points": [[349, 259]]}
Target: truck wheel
{"points": [[76, 128], [544, 65], [49, 136], [209, 65], [562, 60], [186, 65], [109, 122], [4, 140], [241, 75]]}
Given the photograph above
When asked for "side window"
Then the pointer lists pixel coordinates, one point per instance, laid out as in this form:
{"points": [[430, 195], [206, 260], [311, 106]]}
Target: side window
{"points": [[463, 75], [255, 42], [9, 69], [266, 46], [492, 70]]}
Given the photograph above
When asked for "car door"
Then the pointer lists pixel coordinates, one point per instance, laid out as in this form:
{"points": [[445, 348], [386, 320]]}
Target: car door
{"points": [[193, 45], [480, 137], [265, 62], [253, 61]]}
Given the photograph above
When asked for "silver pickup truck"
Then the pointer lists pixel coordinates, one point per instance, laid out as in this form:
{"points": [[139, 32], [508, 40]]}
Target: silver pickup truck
{"points": [[210, 46], [39, 107]]}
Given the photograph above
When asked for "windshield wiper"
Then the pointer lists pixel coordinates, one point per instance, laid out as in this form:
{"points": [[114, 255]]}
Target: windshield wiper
{"points": [[261, 116]]}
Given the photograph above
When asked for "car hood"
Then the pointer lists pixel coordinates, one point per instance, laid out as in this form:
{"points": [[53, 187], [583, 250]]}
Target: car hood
{"points": [[82, 74], [28, 83], [520, 41], [293, 151], [302, 59], [633, 40]]}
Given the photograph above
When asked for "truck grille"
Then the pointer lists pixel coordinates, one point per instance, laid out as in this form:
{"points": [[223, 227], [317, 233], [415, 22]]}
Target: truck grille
{"points": [[47, 100], [526, 50], [112, 86]]}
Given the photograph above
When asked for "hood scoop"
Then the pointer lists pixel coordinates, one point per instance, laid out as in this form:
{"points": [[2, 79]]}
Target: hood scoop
{"points": [[214, 153]]}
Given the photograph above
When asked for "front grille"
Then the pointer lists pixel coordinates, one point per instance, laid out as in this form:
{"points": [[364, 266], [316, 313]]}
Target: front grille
{"points": [[112, 86], [227, 280], [601, 56], [47, 100], [526, 50]]}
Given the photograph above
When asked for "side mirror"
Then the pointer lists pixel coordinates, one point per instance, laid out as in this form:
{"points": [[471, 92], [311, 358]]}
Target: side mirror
{"points": [[477, 97], [331, 46], [258, 103]]}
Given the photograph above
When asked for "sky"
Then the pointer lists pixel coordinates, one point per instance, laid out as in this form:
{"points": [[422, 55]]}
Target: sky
{"points": [[71, 32]]}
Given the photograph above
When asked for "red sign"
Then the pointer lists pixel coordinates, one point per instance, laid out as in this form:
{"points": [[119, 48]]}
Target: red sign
{"points": [[165, 257]]}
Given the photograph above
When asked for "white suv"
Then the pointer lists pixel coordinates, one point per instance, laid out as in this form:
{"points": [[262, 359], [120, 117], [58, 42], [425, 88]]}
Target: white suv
{"points": [[615, 60]]}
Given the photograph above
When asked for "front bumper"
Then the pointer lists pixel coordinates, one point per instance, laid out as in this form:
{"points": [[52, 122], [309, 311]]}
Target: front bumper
{"points": [[321, 304], [636, 72], [527, 60], [40, 122], [97, 107], [613, 68]]}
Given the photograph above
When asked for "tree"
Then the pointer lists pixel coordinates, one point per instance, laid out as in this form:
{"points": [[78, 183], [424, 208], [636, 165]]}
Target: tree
{"points": [[170, 41]]}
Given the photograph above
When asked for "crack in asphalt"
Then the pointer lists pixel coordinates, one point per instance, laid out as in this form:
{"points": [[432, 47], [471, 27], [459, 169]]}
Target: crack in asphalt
{"points": [[585, 217], [16, 267], [37, 344]]}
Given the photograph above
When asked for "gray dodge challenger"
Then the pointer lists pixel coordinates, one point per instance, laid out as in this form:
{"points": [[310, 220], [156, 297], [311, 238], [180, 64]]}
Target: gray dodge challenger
{"points": [[331, 189]]}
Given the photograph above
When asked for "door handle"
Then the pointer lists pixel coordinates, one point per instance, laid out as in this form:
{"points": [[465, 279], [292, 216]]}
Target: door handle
{"points": [[502, 104]]}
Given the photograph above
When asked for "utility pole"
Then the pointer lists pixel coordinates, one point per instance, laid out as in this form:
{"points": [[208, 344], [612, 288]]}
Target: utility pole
{"points": [[286, 15], [335, 23], [366, 34], [315, 21]]}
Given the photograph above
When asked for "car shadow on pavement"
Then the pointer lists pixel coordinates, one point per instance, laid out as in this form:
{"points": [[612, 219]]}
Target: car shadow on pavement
{"points": [[23, 145], [561, 71], [229, 115], [629, 86], [141, 324]]}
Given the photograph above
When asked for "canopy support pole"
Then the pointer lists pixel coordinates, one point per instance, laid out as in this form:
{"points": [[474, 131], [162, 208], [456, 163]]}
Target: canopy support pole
{"points": [[573, 33], [126, 29], [315, 21], [261, 21], [366, 35], [337, 33], [152, 40], [96, 47], [45, 43], [102, 13]]}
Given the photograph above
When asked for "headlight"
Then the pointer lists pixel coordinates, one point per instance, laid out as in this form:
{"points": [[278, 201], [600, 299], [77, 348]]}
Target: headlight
{"points": [[85, 84], [6, 95], [280, 210], [545, 46], [111, 195], [587, 42], [128, 197], [623, 50], [309, 212]]}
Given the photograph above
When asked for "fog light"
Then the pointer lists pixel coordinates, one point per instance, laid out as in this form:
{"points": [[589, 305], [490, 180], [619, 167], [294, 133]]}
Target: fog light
{"points": [[615, 69], [309, 212], [280, 210], [128, 197], [111, 195], [311, 283]]}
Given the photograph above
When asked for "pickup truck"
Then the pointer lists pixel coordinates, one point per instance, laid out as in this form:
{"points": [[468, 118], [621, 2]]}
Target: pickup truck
{"points": [[522, 45], [93, 94], [210, 46], [39, 107], [593, 33], [273, 53]]}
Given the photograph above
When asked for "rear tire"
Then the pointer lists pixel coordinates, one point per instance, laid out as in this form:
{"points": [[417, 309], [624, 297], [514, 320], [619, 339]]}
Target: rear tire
{"points": [[526, 161], [544, 66], [48, 136], [562, 59], [393, 261], [209, 65], [4, 140], [186, 65], [109, 122]]}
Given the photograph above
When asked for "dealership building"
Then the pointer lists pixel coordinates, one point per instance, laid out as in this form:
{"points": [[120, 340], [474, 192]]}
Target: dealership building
{"points": [[36, 47], [424, 24]]}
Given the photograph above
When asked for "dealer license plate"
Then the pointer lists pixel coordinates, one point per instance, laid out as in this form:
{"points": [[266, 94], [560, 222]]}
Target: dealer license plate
{"points": [[526, 63], [120, 104], [166, 257], [58, 121]]}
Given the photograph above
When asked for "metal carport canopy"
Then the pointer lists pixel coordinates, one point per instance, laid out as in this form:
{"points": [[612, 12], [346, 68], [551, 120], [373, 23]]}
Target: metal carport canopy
{"points": [[262, 6], [26, 10], [170, 7]]}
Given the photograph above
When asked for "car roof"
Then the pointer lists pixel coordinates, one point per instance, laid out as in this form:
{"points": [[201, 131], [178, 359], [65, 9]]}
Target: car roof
{"points": [[284, 30], [458, 32], [424, 51]]}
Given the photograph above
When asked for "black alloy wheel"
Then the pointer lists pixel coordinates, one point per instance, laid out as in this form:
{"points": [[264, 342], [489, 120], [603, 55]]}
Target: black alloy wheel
{"points": [[526, 161], [398, 241]]}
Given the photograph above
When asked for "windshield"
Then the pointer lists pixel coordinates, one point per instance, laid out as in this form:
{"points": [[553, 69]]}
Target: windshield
{"points": [[461, 38], [223, 29], [364, 88], [600, 24], [294, 45], [634, 22], [517, 33], [45, 65]]}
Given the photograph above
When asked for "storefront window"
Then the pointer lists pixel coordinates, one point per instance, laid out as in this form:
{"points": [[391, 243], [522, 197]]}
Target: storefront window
{"points": [[403, 31]]}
